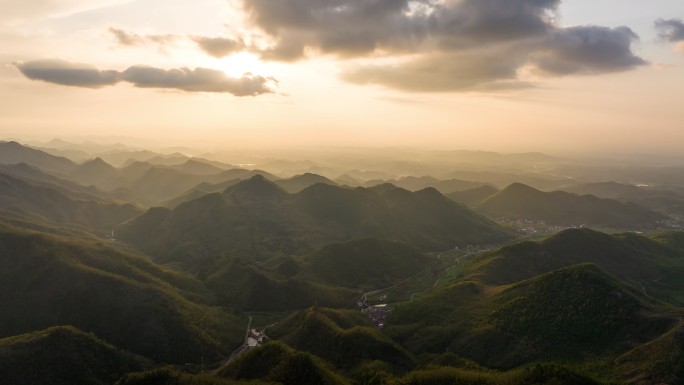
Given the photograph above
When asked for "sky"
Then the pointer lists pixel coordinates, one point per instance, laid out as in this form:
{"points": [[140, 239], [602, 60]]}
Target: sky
{"points": [[503, 75]]}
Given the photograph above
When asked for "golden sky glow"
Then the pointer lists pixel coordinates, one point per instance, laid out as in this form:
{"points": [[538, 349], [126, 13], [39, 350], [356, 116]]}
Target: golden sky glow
{"points": [[564, 76]]}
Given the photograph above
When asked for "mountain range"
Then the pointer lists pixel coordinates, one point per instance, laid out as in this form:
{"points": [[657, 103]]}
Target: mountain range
{"points": [[257, 220]]}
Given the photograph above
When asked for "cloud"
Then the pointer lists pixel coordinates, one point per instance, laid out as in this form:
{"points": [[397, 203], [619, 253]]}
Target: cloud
{"points": [[441, 45], [358, 28], [219, 47], [346, 28], [131, 39], [671, 30], [197, 80], [482, 70], [185, 79], [68, 74], [587, 50]]}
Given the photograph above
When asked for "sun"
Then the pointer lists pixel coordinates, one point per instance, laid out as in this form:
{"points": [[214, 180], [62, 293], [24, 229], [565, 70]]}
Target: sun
{"points": [[241, 63]]}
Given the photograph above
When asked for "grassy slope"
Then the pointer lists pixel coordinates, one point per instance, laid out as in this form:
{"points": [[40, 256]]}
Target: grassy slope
{"points": [[654, 265], [123, 298], [569, 314], [63, 356], [345, 338], [368, 263], [279, 363]]}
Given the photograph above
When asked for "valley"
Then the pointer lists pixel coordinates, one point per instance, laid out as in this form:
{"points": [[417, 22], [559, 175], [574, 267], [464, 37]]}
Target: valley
{"points": [[252, 276]]}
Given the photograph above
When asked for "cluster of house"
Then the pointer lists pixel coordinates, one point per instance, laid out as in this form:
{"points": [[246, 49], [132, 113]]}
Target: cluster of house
{"points": [[255, 338], [379, 314]]}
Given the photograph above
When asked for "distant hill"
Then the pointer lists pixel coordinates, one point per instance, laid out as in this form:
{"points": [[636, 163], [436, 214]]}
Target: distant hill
{"points": [[95, 172], [412, 183], [346, 179], [299, 182], [197, 167], [123, 298], [256, 219], [472, 196], [501, 178], [15, 153], [612, 190], [662, 199], [37, 176], [64, 356], [169, 188], [198, 191], [519, 201], [55, 204]]}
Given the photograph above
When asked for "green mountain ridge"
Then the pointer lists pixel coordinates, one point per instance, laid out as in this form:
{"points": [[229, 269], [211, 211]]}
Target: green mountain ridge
{"points": [[64, 355], [239, 223], [55, 204], [569, 314], [519, 201], [346, 338], [122, 298], [652, 265]]}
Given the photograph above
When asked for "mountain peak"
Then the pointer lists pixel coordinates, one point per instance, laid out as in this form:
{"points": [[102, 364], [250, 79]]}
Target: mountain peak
{"points": [[519, 187], [96, 164], [256, 187]]}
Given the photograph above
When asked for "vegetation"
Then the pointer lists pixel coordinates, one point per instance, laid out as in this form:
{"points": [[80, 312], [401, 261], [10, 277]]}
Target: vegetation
{"points": [[581, 307], [473, 196], [123, 298], [519, 201], [651, 265], [275, 362], [63, 356], [51, 203], [340, 337], [366, 263], [256, 219], [241, 283]]}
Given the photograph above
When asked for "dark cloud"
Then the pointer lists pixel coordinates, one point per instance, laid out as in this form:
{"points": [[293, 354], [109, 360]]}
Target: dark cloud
{"points": [[587, 50], [443, 72], [358, 28], [197, 80], [345, 28], [219, 47], [442, 45], [68, 74], [671, 30], [185, 79], [469, 22]]}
